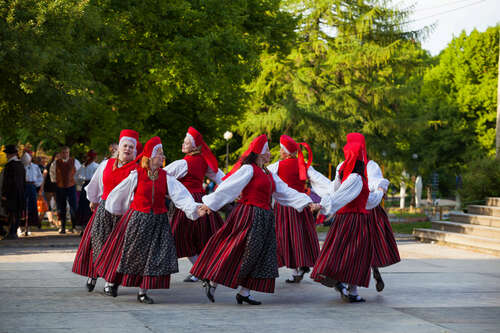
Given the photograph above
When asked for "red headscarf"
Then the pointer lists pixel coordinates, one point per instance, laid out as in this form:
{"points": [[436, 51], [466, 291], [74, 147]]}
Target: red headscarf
{"points": [[206, 152], [291, 147], [353, 152], [257, 146], [359, 138]]}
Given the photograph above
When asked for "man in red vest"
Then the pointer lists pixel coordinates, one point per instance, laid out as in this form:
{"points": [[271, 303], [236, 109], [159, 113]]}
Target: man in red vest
{"points": [[62, 172]]}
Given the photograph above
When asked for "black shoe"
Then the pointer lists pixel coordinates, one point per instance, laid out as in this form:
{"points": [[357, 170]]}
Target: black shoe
{"points": [[145, 299], [209, 290], [189, 278], [62, 231], [240, 299], [296, 279], [14, 236], [304, 270], [380, 283], [355, 299], [111, 290], [91, 284]]}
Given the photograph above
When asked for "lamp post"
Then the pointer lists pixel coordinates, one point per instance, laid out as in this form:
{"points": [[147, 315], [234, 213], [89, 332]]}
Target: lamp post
{"points": [[227, 136], [333, 145]]}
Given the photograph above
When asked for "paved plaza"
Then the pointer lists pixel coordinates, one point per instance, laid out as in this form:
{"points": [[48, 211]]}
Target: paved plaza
{"points": [[433, 289]]}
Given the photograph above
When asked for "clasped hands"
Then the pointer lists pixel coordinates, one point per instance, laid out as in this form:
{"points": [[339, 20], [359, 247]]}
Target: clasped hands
{"points": [[203, 210], [314, 207]]}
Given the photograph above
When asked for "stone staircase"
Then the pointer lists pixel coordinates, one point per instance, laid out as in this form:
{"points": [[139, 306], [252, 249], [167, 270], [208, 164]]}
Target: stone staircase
{"points": [[478, 230]]}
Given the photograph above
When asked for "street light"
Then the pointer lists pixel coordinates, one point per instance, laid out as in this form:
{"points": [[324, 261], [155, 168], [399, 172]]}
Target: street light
{"points": [[227, 136], [333, 145]]}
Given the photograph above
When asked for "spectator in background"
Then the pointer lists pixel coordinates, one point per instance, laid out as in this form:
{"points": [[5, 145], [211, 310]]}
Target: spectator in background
{"points": [[34, 180], [49, 190], [13, 202], [113, 150], [82, 178], [62, 172]]}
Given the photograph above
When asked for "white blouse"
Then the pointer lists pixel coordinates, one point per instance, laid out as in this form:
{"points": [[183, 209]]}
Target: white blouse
{"points": [[320, 184], [231, 188], [85, 173], [95, 187], [179, 169], [120, 198]]}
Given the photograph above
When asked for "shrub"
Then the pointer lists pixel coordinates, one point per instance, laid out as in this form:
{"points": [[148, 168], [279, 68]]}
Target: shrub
{"points": [[481, 180]]}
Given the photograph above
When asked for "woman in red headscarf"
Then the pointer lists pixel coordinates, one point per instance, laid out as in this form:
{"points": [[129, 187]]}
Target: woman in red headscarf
{"points": [[296, 237], [140, 252], [109, 174], [243, 252], [385, 249], [346, 255], [199, 162]]}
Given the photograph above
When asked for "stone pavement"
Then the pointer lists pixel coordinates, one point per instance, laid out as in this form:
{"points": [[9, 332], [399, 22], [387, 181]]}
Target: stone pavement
{"points": [[433, 289]]}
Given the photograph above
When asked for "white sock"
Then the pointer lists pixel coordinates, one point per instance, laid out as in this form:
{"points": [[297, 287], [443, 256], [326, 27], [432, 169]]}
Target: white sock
{"points": [[142, 291], [353, 290], [213, 284], [244, 292], [295, 272], [193, 259], [193, 278], [92, 281]]}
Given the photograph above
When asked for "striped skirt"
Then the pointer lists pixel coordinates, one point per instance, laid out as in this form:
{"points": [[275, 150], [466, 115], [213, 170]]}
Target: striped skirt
{"points": [[296, 237], [385, 250], [96, 233], [242, 252], [192, 236], [346, 255], [140, 252]]}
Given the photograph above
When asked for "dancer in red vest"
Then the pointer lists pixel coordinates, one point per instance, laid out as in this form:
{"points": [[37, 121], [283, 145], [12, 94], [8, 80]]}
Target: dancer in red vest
{"points": [[140, 252], [191, 236], [346, 255], [296, 237], [243, 252], [109, 174], [385, 249]]}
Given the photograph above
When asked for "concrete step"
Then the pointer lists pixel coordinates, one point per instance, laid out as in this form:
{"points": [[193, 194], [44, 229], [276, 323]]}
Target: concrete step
{"points": [[489, 221], [467, 229], [484, 210], [493, 202], [469, 242]]}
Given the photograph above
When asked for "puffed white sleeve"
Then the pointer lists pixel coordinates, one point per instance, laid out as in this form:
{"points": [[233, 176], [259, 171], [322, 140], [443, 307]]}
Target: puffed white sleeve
{"points": [[273, 168], [375, 177], [94, 188], [181, 198], [347, 192], [374, 199], [336, 180], [121, 196], [52, 172], [177, 169], [78, 165], [229, 189], [287, 196], [320, 184], [215, 177]]}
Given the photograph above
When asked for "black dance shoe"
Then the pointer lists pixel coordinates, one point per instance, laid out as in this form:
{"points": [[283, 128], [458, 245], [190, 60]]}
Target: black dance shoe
{"points": [[209, 290], [189, 278], [91, 284], [296, 279], [143, 298], [380, 283], [355, 299], [111, 290], [240, 299]]}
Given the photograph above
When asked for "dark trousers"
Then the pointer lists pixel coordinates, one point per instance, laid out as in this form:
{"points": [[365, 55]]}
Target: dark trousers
{"points": [[66, 194], [30, 195], [14, 219], [83, 213]]}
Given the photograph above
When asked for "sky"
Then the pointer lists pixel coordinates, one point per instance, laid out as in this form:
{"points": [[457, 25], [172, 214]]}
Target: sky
{"points": [[450, 18]]}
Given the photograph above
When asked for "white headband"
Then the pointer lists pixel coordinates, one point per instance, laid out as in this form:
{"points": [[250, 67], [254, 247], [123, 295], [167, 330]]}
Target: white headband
{"points": [[156, 148], [134, 141], [265, 148], [284, 148], [190, 137]]}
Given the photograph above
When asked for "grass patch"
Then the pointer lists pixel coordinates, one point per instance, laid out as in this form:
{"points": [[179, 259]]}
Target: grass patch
{"points": [[322, 228], [407, 228]]}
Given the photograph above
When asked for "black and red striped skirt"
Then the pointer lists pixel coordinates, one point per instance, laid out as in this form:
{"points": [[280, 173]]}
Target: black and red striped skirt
{"points": [[385, 249], [242, 252], [192, 236], [140, 252], [296, 237], [346, 255]]}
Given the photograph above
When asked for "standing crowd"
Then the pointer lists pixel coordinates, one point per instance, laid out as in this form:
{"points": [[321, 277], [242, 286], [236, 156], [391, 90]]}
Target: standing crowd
{"points": [[134, 238]]}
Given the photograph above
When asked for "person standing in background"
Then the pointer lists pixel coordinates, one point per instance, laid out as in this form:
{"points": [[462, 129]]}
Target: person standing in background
{"points": [[82, 178], [34, 180], [62, 172], [14, 177]]}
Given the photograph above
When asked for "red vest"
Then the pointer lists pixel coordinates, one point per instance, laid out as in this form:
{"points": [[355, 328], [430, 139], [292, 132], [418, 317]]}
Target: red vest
{"points": [[258, 192], [197, 168], [288, 171], [65, 173], [111, 178], [150, 195], [358, 205]]}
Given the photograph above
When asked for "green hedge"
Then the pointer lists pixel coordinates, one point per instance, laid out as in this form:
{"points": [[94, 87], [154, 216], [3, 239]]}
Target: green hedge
{"points": [[481, 180]]}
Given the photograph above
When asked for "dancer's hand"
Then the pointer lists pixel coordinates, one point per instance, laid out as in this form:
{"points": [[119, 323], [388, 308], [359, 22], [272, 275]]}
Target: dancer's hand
{"points": [[314, 207], [93, 206], [203, 210]]}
